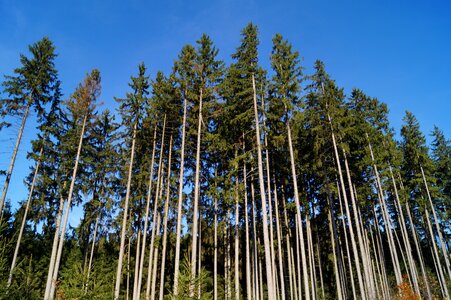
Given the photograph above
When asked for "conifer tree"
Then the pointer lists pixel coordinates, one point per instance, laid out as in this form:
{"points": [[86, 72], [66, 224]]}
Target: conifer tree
{"points": [[284, 98], [31, 86], [441, 155], [48, 121], [184, 71], [81, 107], [131, 110], [417, 169], [208, 71]]}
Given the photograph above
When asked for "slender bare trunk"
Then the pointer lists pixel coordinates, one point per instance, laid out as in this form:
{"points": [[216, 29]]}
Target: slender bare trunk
{"points": [[348, 214], [137, 293], [199, 261], [380, 284], [13, 158], [298, 215], [91, 255], [290, 254], [367, 283], [155, 247], [246, 224], [228, 288], [158, 192], [254, 239], [124, 220], [279, 244], [320, 267], [333, 235], [294, 276], [127, 285], [24, 219], [268, 264], [237, 242], [137, 261], [298, 260], [66, 214], [215, 258], [196, 197], [437, 225], [155, 261], [405, 236], [311, 256], [165, 221], [56, 239], [348, 252], [418, 249], [392, 246], [441, 274], [179, 204]]}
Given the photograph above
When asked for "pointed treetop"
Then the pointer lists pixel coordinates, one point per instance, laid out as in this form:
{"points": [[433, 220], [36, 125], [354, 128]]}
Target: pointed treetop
{"points": [[133, 106], [246, 54], [35, 82], [82, 101], [286, 64]]}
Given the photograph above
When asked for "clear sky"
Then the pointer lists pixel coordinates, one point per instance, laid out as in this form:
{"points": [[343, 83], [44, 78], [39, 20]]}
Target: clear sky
{"points": [[397, 51]]}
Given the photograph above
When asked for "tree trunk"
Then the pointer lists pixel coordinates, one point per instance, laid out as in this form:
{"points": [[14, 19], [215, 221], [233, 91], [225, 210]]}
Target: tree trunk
{"points": [[437, 225], [165, 221], [381, 252], [137, 261], [124, 220], [127, 289], [279, 244], [13, 158], [418, 249], [311, 257], [334, 251], [402, 223], [348, 252], [290, 254], [179, 205], [348, 214], [137, 293], [246, 224], [298, 261], [367, 283], [66, 214], [196, 198], [254, 239], [237, 242], [91, 255], [298, 215], [24, 220], [199, 261], [320, 267], [392, 246], [158, 193], [228, 288], [155, 262], [442, 278], [56, 239], [215, 258], [271, 294]]}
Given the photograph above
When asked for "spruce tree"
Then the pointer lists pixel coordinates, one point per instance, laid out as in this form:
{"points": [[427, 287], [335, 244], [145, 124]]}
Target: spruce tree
{"points": [[81, 107], [131, 110], [31, 86]]}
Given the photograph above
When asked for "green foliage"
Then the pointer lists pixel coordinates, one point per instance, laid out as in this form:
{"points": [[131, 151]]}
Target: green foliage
{"points": [[314, 116], [34, 82], [73, 280], [415, 156], [202, 280]]}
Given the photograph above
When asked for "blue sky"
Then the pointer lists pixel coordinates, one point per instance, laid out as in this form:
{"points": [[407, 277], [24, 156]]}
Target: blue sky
{"points": [[397, 51]]}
